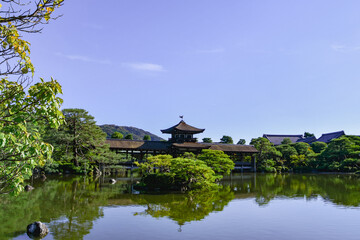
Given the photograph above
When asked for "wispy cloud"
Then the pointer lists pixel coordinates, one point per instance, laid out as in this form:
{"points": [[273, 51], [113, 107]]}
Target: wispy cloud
{"points": [[212, 50], [84, 58], [344, 48], [140, 66]]}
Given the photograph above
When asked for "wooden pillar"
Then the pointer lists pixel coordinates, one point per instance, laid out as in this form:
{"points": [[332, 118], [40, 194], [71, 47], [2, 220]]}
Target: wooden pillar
{"points": [[253, 160]]}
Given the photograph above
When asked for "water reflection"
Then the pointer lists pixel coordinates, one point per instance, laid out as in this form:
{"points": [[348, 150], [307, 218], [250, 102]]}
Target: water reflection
{"points": [[70, 205], [342, 190], [184, 208]]}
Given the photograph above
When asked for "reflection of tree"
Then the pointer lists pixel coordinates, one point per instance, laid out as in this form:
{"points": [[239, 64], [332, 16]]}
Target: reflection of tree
{"points": [[67, 206], [183, 208], [339, 189]]}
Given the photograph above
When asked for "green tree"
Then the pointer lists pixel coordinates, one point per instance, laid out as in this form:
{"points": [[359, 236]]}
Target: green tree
{"points": [[129, 136], [207, 140], [161, 162], [303, 148], [286, 151], [241, 142], [193, 174], [147, 138], [117, 135], [307, 135], [217, 160], [317, 147], [268, 155], [22, 106], [338, 149], [227, 140], [186, 173], [286, 141], [79, 142]]}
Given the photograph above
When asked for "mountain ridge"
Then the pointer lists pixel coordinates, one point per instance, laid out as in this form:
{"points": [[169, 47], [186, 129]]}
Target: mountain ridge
{"points": [[137, 133]]}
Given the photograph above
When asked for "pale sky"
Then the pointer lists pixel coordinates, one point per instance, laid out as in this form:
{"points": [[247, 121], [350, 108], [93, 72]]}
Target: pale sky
{"points": [[238, 68]]}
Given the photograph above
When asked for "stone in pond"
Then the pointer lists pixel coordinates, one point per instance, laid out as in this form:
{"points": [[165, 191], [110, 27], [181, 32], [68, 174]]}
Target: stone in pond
{"points": [[37, 230]]}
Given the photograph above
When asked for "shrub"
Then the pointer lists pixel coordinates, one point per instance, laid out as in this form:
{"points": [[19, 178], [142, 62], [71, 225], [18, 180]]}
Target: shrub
{"points": [[217, 160]]}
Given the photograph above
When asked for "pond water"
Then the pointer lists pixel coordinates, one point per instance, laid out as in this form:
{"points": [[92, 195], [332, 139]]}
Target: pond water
{"points": [[248, 206]]}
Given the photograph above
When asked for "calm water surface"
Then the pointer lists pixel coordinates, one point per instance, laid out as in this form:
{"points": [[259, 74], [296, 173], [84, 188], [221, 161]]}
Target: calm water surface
{"points": [[262, 206]]}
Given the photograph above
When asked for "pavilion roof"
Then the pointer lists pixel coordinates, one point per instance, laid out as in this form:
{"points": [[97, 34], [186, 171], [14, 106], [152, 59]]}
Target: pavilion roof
{"points": [[183, 127], [277, 139]]}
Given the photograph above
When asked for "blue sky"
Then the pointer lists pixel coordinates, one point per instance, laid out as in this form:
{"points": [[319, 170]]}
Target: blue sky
{"points": [[237, 68]]}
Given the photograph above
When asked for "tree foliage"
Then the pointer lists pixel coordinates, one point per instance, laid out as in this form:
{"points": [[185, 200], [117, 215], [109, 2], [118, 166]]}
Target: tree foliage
{"points": [[79, 143], [21, 146], [22, 106], [227, 140], [147, 138], [186, 173], [241, 142], [16, 19], [217, 160], [117, 135], [207, 140], [268, 155], [286, 141], [129, 137], [307, 135], [317, 147], [341, 154], [193, 174]]}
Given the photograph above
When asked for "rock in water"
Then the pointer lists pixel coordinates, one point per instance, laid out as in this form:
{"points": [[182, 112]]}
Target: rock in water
{"points": [[112, 181], [28, 188], [37, 230]]}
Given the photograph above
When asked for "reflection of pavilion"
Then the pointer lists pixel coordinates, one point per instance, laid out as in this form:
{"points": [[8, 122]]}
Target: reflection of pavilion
{"points": [[182, 140]]}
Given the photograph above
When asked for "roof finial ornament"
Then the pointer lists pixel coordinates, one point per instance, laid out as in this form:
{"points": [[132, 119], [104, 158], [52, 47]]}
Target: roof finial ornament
{"points": [[182, 117]]}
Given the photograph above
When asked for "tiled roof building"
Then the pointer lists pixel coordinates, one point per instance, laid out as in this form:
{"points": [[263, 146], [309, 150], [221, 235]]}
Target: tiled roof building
{"points": [[327, 137], [277, 139]]}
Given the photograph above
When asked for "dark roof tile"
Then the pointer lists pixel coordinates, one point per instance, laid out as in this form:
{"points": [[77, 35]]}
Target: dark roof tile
{"points": [[277, 139], [327, 137], [138, 144], [307, 140], [183, 127]]}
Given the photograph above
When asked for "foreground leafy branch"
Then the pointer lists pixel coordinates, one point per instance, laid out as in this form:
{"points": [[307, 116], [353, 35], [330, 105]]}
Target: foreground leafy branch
{"points": [[22, 106], [21, 146]]}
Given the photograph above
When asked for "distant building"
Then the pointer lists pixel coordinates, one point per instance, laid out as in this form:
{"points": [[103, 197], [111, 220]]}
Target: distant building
{"points": [[327, 137], [182, 140], [308, 140], [182, 132], [277, 139]]}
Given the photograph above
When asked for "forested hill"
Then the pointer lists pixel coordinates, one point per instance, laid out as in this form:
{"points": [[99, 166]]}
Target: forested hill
{"points": [[137, 133]]}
